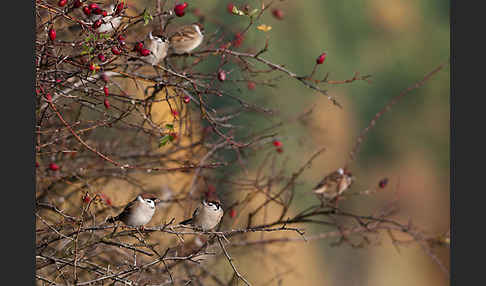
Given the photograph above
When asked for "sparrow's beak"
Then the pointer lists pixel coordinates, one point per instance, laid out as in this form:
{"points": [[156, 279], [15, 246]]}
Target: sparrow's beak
{"points": [[157, 200]]}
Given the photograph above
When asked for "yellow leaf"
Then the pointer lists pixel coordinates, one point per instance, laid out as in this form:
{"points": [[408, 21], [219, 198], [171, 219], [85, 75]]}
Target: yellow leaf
{"points": [[264, 28]]}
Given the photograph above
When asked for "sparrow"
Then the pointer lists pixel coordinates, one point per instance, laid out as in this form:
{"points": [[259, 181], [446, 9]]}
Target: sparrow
{"points": [[158, 46], [207, 215], [334, 184], [186, 38], [137, 212]]}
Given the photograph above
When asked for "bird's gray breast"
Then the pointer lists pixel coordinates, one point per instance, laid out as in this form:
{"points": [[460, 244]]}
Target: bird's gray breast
{"points": [[207, 218], [141, 215]]}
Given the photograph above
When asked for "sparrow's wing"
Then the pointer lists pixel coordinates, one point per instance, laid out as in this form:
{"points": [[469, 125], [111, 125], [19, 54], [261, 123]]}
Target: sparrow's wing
{"points": [[185, 33], [344, 183], [328, 184], [321, 183], [127, 209], [189, 220]]}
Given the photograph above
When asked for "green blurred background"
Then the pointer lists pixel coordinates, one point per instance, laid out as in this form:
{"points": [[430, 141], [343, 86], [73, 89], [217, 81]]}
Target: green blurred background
{"points": [[395, 41]]}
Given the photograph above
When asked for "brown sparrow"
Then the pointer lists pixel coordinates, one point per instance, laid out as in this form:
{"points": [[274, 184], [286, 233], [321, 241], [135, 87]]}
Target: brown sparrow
{"points": [[207, 215], [137, 212], [186, 38], [334, 184]]}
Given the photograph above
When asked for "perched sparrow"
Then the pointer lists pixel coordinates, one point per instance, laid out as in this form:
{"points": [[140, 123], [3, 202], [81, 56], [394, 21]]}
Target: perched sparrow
{"points": [[207, 215], [137, 212], [186, 38], [334, 184], [158, 46]]}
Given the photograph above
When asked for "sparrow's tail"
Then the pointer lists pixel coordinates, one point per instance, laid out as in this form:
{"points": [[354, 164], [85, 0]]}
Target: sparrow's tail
{"points": [[187, 221], [111, 219]]}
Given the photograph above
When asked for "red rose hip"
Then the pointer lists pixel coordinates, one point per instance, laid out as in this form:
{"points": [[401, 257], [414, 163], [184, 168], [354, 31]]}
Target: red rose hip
{"points": [[115, 51], [221, 75], [52, 34], [277, 143], [53, 167], [383, 183], [179, 9], [86, 11], [321, 58], [97, 24], [144, 52], [278, 14], [229, 7], [138, 46]]}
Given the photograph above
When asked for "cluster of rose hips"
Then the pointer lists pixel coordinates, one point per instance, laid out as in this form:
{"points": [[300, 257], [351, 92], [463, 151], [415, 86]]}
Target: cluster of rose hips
{"points": [[141, 50], [278, 146], [99, 197], [106, 102]]}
